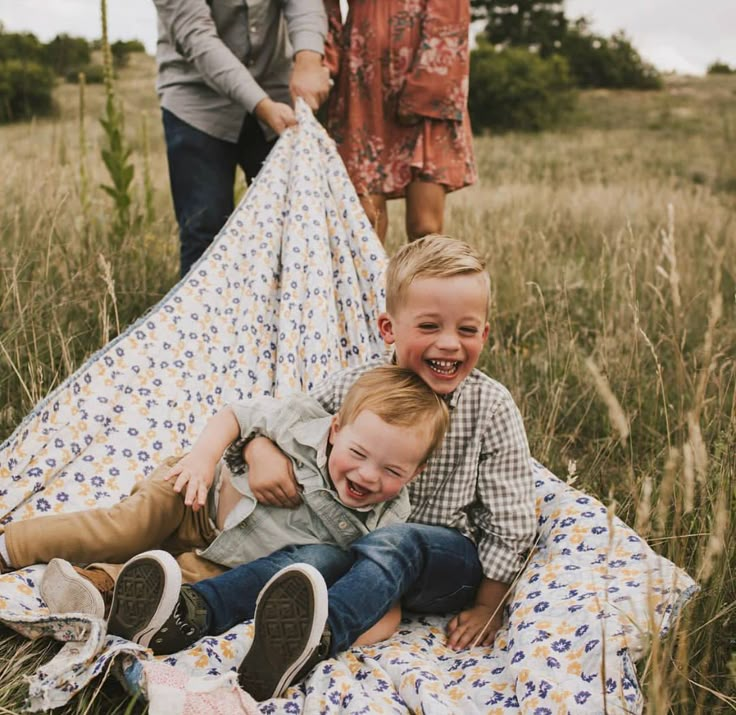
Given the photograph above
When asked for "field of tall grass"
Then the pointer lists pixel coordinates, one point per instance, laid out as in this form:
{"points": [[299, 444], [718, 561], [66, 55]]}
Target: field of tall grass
{"points": [[612, 249]]}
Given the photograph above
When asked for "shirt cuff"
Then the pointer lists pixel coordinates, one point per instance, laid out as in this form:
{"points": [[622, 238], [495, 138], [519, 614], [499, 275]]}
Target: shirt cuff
{"points": [[233, 456], [250, 97], [499, 563], [308, 40]]}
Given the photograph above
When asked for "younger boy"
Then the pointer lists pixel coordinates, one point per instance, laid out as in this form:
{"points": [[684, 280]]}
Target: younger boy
{"points": [[473, 505], [351, 467]]}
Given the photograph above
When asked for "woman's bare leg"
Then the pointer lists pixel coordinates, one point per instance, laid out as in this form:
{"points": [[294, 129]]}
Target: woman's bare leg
{"points": [[425, 208], [374, 206]]}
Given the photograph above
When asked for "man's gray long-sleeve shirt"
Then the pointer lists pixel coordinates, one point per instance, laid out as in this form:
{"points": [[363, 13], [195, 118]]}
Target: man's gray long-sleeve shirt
{"points": [[217, 60]]}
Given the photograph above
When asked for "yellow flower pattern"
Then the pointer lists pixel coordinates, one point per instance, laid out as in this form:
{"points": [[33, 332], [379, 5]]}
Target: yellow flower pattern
{"points": [[288, 293]]}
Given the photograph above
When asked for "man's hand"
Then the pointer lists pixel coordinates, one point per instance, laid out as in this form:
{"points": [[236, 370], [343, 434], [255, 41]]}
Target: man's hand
{"points": [[277, 115], [271, 474], [476, 622], [310, 79], [196, 473]]}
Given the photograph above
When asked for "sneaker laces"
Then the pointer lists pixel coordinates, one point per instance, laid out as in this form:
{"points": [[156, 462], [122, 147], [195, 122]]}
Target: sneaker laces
{"points": [[190, 613]]}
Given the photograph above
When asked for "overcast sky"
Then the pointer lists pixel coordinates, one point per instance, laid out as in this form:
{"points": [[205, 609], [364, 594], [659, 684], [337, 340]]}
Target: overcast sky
{"points": [[681, 35]]}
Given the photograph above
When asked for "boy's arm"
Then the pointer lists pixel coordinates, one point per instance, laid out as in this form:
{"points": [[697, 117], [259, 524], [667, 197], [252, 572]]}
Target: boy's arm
{"points": [[270, 471], [507, 522], [196, 470], [271, 474]]}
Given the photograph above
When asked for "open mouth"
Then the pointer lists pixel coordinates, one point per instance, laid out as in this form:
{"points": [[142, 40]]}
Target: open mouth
{"points": [[355, 490], [446, 368]]}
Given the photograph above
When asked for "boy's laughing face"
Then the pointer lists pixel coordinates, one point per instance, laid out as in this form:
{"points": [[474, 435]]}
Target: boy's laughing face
{"points": [[371, 460], [440, 329]]}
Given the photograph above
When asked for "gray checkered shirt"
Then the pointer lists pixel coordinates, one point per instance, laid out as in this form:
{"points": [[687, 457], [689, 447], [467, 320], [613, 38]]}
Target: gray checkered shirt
{"points": [[480, 481]]}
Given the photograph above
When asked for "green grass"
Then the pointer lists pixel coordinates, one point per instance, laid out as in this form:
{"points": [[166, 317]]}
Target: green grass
{"points": [[588, 260]]}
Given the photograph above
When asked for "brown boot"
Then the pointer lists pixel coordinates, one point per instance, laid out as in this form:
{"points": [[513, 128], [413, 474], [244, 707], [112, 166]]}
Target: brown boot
{"points": [[71, 589]]}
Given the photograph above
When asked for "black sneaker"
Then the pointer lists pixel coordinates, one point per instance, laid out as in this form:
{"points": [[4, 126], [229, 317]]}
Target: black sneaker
{"points": [[151, 607], [184, 627], [290, 632]]}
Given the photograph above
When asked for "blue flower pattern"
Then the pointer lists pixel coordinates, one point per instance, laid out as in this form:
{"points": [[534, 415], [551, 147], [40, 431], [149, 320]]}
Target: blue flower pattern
{"points": [[288, 293]]}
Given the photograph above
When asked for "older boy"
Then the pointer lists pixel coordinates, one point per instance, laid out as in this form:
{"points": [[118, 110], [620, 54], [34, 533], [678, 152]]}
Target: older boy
{"points": [[351, 467], [473, 506]]}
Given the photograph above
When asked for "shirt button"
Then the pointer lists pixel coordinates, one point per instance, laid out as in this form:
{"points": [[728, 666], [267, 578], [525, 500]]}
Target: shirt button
{"points": [[254, 28], [343, 524]]}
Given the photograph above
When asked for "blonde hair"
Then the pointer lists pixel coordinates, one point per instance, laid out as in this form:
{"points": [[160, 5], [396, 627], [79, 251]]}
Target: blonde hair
{"points": [[400, 398], [434, 256]]}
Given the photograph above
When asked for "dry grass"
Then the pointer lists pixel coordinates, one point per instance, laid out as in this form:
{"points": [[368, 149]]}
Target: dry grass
{"points": [[611, 309]]}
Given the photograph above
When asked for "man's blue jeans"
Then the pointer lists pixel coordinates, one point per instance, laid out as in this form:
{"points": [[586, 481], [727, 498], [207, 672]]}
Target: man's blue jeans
{"points": [[431, 569], [202, 174]]}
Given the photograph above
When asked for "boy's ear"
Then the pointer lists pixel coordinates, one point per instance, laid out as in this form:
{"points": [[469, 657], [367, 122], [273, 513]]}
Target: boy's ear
{"points": [[386, 328], [419, 470], [486, 331], [334, 429]]}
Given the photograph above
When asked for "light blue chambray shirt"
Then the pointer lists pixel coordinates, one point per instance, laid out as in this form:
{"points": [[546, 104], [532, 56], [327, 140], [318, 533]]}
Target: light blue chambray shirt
{"points": [[300, 427]]}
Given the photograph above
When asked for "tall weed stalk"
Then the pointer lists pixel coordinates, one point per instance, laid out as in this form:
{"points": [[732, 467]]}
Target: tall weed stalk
{"points": [[116, 156]]}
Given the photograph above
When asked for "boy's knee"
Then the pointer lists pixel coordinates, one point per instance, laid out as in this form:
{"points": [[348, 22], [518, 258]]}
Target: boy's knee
{"points": [[395, 537], [331, 561]]}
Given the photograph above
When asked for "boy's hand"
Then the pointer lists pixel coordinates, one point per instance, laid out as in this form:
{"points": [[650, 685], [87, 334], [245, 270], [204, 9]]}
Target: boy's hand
{"points": [[464, 628], [196, 473], [271, 474]]}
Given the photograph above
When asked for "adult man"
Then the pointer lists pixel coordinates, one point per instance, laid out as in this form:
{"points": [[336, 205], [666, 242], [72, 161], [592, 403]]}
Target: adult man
{"points": [[225, 83]]}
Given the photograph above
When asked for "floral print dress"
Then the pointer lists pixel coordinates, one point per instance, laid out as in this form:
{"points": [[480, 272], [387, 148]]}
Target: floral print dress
{"points": [[398, 110]]}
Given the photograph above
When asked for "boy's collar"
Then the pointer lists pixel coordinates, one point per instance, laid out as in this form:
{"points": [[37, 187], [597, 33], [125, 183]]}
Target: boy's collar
{"points": [[315, 433]]}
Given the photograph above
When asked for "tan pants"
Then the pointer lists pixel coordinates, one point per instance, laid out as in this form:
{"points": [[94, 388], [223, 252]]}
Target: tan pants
{"points": [[152, 517]]}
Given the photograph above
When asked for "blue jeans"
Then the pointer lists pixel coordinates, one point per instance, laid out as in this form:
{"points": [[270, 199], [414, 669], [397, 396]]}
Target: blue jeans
{"points": [[431, 569], [202, 174]]}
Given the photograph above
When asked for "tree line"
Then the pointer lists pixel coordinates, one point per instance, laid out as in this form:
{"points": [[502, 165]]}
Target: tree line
{"points": [[531, 58], [528, 61], [29, 69]]}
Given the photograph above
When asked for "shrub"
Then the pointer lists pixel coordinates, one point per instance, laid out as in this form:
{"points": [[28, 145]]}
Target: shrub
{"points": [[523, 23], [65, 54], [93, 74], [21, 46], [609, 62], [514, 89], [719, 67], [25, 90], [123, 48]]}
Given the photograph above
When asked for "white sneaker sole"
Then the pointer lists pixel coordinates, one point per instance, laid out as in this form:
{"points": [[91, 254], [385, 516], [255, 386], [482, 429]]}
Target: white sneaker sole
{"points": [[291, 612], [66, 591], [146, 593]]}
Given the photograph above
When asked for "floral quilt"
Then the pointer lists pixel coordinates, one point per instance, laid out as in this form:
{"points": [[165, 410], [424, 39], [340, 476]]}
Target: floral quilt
{"points": [[289, 292]]}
